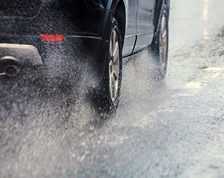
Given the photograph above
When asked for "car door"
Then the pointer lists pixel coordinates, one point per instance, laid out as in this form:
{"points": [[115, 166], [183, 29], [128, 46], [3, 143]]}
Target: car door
{"points": [[145, 26], [131, 26]]}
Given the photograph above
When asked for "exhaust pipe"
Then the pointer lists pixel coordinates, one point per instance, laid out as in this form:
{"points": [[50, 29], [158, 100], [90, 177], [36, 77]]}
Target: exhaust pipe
{"points": [[9, 66], [11, 70]]}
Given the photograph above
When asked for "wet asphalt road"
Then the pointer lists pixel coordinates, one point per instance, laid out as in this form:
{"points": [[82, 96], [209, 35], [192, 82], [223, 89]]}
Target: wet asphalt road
{"points": [[171, 128]]}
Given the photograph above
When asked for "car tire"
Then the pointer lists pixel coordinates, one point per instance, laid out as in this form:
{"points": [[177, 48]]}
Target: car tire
{"points": [[109, 92], [159, 46]]}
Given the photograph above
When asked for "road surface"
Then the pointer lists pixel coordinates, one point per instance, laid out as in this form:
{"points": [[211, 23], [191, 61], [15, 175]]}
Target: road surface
{"points": [[170, 128]]}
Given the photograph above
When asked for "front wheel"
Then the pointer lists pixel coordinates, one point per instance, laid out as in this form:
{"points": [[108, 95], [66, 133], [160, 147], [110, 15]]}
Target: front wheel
{"points": [[160, 44]]}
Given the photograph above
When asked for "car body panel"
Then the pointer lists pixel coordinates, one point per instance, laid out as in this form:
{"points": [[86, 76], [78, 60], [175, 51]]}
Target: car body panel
{"points": [[145, 26], [131, 29], [77, 20]]}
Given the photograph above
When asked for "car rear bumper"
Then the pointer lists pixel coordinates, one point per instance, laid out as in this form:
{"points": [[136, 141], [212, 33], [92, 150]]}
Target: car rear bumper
{"points": [[33, 50], [71, 46], [24, 54]]}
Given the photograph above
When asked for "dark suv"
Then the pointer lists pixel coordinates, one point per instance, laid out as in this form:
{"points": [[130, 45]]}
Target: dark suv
{"points": [[104, 31]]}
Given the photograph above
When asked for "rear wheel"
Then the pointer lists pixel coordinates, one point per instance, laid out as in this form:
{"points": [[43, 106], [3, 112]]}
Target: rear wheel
{"points": [[110, 86], [114, 66]]}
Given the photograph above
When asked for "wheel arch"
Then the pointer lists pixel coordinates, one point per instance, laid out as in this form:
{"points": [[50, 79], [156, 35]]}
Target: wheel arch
{"points": [[157, 10], [120, 15], [119, 9]]}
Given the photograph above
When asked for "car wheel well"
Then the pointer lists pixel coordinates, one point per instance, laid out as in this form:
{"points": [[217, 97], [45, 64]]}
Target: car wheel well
{"points": [[120, 16], [157, 11]]}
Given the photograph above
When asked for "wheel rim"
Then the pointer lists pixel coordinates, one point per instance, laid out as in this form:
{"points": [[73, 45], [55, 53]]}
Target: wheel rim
{"points": [[114, 65], [163, 42]]}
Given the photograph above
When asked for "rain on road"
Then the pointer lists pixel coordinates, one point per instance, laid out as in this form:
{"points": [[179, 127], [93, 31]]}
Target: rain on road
{"points": [[171, 128]]}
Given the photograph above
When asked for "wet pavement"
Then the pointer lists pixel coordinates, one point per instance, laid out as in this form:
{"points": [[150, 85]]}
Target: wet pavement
{"points": [[171, 128]]}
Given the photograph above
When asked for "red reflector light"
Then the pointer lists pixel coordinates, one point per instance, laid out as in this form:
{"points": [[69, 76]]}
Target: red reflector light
{"points": [[52, 37]]}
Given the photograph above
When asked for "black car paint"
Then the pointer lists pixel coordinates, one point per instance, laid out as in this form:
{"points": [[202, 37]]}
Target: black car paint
{"points": [[74, 19]]}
